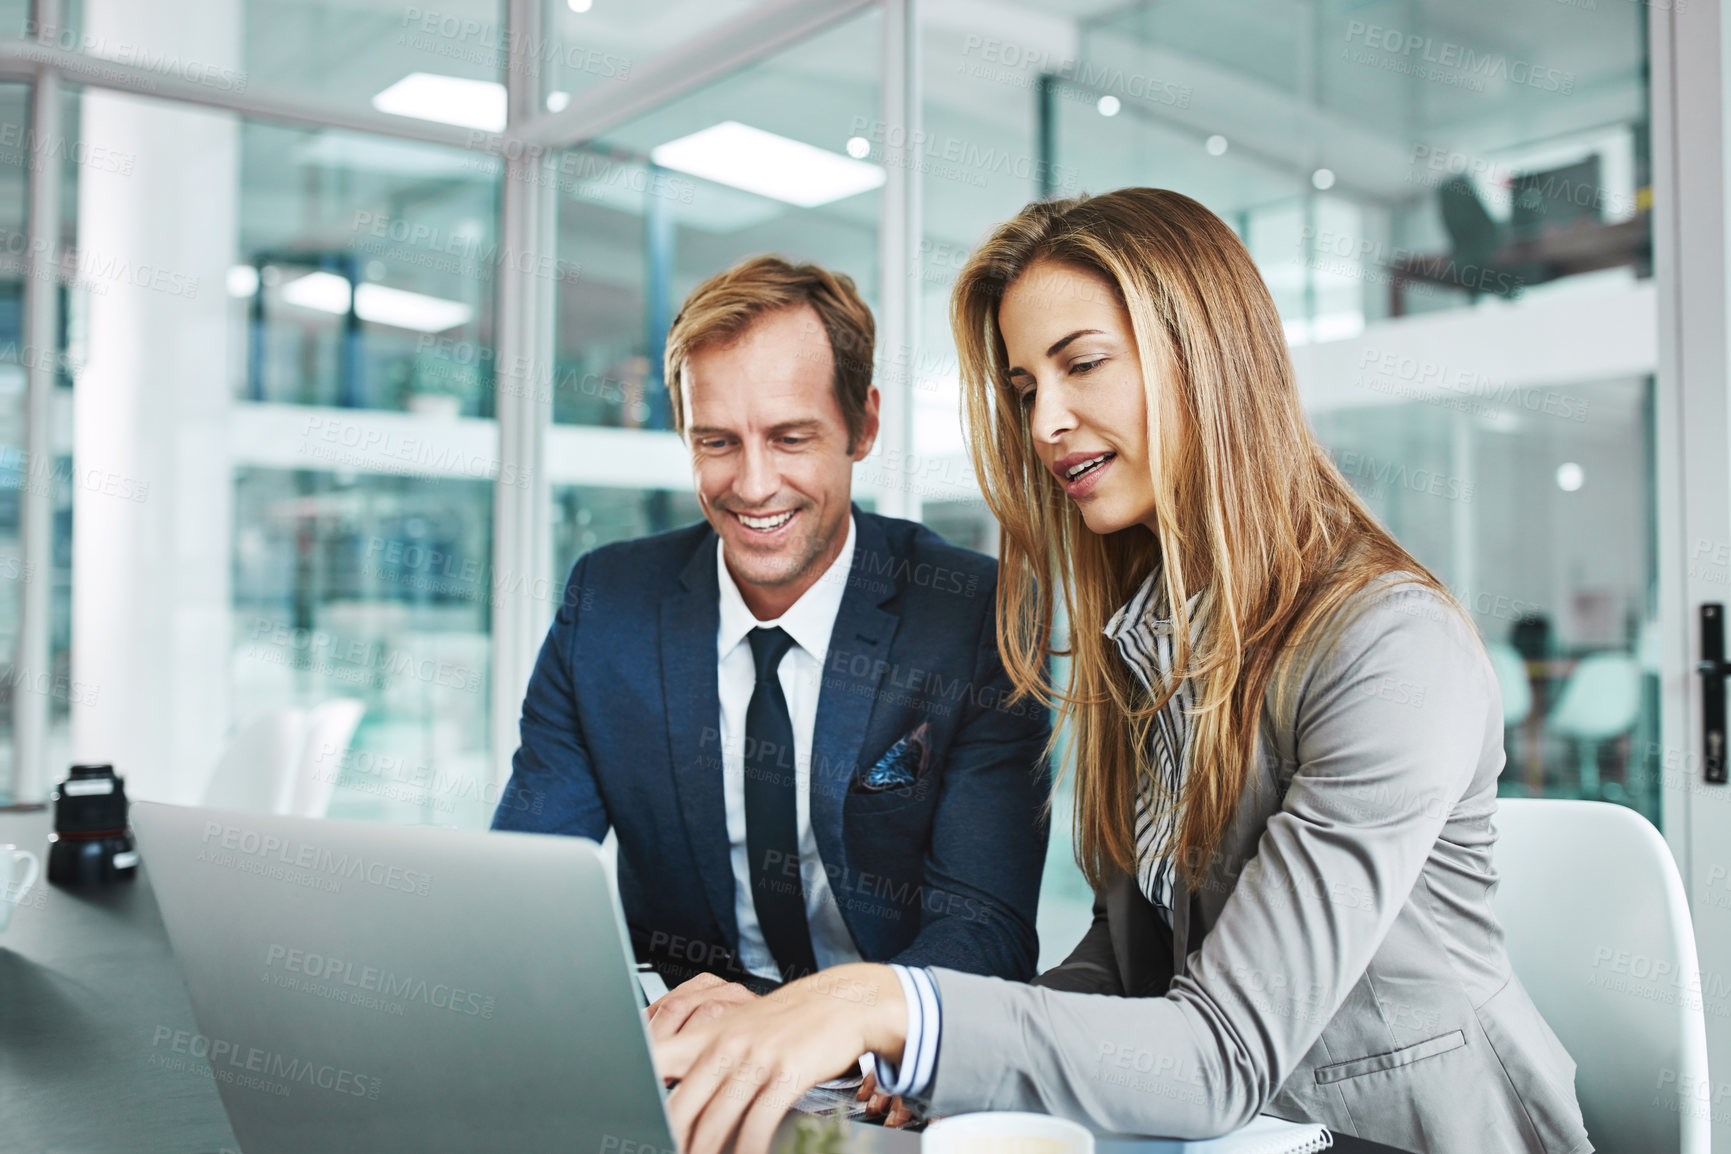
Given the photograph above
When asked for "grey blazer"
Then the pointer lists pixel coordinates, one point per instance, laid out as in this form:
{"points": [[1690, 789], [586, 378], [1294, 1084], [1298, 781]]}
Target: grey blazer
{"points": [[1340, 962]]}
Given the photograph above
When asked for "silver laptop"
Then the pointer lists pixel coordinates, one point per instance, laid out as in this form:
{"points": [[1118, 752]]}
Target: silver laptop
{"points": [[383, 989]]}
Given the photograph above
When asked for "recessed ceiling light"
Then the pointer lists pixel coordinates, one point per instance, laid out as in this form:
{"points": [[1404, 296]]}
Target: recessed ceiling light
{"points": [[859, 147], [1216, 145], [558, 101], [1109, 105], [327, 292], [447, 99], [580, 5], [1570, 476], [761, 162], [242, 280], [1323, 179]]}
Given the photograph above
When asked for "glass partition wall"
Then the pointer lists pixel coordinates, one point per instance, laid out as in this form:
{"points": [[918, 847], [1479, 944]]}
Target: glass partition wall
{"points": [[42, 472], [1448, 201], [302, 375]]}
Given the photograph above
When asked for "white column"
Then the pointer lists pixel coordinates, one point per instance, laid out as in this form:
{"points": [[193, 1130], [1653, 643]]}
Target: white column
{"points": [[521, 518], [898, 261], [152, 512]]}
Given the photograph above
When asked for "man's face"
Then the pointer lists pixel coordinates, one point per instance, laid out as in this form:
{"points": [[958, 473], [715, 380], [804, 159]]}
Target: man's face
{"points": [[770, 454]]}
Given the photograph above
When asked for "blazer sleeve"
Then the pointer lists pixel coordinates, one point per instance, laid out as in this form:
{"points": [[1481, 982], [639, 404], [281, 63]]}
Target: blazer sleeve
{"points": [[552, 787], [988, 841], [1390, 724]]}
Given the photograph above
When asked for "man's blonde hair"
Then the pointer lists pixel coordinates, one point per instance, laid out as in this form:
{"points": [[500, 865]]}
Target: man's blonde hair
{"points": [[722, 308]]}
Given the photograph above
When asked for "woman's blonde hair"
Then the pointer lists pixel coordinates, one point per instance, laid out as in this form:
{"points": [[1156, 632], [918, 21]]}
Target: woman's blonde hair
{"points": [[1248, 503]]}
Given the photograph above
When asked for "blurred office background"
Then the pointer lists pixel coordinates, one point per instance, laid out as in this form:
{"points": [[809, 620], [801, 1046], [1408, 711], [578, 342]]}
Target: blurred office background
{"points": [[332, 385]]}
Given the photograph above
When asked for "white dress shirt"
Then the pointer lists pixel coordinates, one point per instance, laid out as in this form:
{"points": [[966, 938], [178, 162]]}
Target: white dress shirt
{"points": [[809, 621]]}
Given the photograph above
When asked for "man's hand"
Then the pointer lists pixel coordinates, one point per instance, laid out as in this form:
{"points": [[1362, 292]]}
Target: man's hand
{"points": [[698, 1000], [739, 1073], [891, 1110]]}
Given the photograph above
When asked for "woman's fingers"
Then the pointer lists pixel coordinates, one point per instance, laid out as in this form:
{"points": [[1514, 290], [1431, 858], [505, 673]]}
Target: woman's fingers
{"points": [[702, 1086], [867, 1088], [899, 1114], [674, 1056], [747, 1067], [757, 1128], [701, 998], [712, 1129], [747, 1090], [700, 982]]}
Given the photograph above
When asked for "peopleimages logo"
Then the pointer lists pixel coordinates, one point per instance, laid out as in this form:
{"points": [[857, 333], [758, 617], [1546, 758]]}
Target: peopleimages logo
{"points": [[231, 846], [254, 1067], [338, 973]]}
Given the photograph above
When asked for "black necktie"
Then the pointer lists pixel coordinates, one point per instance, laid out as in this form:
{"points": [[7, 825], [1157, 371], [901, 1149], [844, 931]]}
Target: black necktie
{"points": [[772, 813]]}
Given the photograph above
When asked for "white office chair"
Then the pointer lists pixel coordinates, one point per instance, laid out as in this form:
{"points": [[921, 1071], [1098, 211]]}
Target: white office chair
{"points": [[330, 728], [256, 773], [285, 761], [1593, 909], [1601, 700]]}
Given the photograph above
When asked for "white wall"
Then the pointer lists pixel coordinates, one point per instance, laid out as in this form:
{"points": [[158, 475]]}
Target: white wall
{"points": [[150, 598]]}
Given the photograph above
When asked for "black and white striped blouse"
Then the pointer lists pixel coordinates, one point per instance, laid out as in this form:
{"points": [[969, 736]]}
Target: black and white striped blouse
{"points": [[1144, 636]]}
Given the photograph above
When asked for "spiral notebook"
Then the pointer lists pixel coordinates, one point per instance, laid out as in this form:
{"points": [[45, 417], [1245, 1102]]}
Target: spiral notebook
{"points": [[1264, 1135]]}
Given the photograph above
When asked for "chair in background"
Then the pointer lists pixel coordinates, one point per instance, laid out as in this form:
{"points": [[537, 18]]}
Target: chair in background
{"points": [[285, 761], [1598, 930], [330, 728], [1511, 671], [256, 771], [1517, 691], [1601, 700]]}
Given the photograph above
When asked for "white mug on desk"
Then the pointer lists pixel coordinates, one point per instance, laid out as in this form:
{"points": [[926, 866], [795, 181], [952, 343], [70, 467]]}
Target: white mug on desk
{"points": [[1005, 1132], [19, 869]]}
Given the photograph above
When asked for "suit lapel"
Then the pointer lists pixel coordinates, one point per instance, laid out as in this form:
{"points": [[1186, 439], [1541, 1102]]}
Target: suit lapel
{"points": [[859, 648], [692, 701]]}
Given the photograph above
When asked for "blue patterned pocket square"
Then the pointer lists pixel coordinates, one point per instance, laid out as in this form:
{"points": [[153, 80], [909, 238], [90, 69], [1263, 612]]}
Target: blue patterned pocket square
{"points": [[903, 765]]}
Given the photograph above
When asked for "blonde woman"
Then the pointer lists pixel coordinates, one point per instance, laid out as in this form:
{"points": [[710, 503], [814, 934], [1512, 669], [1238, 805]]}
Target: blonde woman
{"points": [[1286, 744]]}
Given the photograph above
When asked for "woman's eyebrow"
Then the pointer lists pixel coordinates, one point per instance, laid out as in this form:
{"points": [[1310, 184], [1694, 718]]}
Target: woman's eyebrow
{"points": [[1061, 342], [1057, 347]]}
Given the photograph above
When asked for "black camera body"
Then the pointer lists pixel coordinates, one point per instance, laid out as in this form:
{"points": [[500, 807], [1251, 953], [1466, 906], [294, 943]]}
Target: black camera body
{"points": [[91, 841]]}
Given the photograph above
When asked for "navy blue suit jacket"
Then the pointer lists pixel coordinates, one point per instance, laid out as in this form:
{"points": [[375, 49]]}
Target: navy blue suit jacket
{"points": [[620, 730]]}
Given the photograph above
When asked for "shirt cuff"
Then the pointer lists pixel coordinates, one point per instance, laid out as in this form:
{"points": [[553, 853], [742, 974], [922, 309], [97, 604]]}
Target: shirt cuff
{"points": [[920, 1052]]}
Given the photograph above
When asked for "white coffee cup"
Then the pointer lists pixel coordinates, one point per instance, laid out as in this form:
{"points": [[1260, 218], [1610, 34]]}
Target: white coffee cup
{"points": [[1003, 1132], [19, 869]]}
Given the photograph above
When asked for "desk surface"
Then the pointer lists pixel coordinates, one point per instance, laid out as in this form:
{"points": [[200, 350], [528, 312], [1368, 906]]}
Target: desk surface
{"points": [[87, 981]]}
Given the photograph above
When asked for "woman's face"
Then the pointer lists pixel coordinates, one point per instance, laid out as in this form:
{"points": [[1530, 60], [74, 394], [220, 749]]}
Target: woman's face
{"points": [[1074, 366]]}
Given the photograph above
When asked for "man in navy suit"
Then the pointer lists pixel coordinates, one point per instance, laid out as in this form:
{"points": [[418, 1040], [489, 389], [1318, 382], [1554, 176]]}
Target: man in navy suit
{"points": [[793, 716]]}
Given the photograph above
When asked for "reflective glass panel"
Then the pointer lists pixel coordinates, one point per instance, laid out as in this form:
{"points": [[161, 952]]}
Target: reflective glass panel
{"points": [[365, 275], [375, 589]]}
